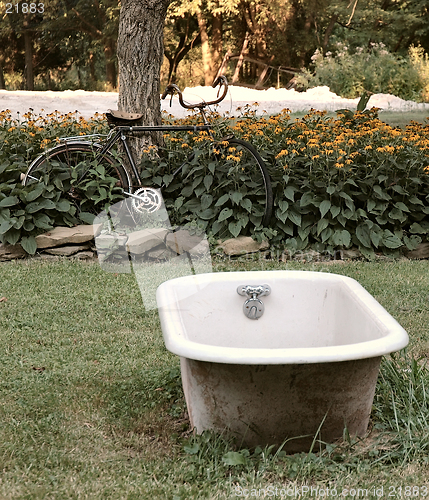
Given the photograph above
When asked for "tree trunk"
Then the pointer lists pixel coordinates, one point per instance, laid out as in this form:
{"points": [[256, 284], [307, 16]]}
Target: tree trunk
{"points": [[92, 76], [217, 27], [212, 56], [109, 55], [29, 75], [140, 56], [241, 58], [2, 82], [183, 48], [205, 47], [328, 32]]}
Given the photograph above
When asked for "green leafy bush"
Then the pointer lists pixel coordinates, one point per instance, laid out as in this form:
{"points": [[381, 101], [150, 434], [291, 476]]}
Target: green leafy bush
{"points": [[338, 182], [351, 74], [349, 181], [28, 211], [219, 188]]}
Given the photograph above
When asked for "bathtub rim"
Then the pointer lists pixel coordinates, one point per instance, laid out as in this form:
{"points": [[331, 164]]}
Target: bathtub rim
{"points": [[396, 337]]}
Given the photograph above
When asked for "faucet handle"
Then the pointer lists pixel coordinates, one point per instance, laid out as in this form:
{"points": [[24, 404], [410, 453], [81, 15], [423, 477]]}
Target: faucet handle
{"points": [[254, 291]]}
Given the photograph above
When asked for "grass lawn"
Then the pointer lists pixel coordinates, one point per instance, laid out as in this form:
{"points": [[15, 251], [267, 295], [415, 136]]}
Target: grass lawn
{"points": [[92, 406]]}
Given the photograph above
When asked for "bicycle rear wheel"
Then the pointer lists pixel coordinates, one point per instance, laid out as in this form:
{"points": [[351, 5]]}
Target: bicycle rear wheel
{"points": [[88, 179]]}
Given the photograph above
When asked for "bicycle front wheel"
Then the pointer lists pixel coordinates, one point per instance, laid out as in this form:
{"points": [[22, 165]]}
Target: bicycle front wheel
{"points": [[88, 179]]}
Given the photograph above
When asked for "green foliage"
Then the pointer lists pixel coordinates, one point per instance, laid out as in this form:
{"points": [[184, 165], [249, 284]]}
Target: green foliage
{"points": [[71, 44], [219, 188], [420, 62], [352, 181], [349, 181], [351, 73], [28, 211]]}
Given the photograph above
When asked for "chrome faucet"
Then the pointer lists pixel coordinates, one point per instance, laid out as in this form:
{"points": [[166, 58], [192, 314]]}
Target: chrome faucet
{"points": [[253, 307]]}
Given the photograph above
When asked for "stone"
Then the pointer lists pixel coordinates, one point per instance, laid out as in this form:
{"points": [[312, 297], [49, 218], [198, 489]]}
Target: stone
{"points": [[66, 251], [183, 241], [421, 252], [65, 235], [110, 241], [142, 241], [10, 252], [242, 245], [160, 253], [350, 254], [86, 255]]}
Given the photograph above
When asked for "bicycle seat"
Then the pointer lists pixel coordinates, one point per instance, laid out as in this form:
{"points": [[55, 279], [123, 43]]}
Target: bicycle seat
{"points": [[115, 117]]}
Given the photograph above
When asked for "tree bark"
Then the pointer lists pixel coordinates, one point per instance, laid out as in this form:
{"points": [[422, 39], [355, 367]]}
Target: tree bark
{"points": [[29, 75], [140, 55], [217, 26], [109, 54], [241, 58], [328, 32], [205, 47], [2, 82], [181, 51]]}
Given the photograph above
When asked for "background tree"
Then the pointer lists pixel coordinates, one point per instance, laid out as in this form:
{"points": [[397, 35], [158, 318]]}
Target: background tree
{"points": [[99, 20], [41, 49], [263, 35], [210, 17], [396, 23], [72, 44], [181, 35]]}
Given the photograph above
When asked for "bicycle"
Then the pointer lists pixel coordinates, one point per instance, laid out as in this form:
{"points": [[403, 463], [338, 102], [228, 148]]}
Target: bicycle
{"points": [[75, 164]]}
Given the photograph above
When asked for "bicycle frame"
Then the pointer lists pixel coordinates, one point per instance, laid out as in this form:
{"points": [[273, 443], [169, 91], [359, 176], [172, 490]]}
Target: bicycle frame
{"points": [[119, 133]]}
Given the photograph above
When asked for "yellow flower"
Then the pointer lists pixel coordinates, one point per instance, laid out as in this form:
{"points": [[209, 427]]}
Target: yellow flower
{"points": [[283, 152]]}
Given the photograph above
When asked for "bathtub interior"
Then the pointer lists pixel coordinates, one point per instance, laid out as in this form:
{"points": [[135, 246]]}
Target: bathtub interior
{"points": [[304, 309]]}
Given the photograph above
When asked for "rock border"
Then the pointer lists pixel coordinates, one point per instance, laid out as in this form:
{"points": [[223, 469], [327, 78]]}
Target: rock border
{"points": [[78, 243]]}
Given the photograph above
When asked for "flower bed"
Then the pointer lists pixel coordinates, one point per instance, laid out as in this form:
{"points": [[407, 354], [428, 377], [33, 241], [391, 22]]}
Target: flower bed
{"points": [[339, 182]]}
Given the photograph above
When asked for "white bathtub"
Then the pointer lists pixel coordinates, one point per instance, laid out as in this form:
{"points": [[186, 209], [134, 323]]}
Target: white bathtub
{"points": [[312, 356]]}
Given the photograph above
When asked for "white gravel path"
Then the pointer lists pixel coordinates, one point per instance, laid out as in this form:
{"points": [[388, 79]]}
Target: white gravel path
{"points": [[270, 101]]}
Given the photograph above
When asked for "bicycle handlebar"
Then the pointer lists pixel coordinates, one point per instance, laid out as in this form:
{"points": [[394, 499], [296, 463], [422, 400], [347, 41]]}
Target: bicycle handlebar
{"points": [[174, 89]]}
